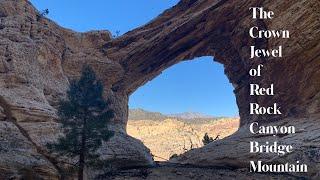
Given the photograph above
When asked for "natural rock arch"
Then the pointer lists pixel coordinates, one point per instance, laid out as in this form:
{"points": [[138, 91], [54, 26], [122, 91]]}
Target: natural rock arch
{"points": [[38, 57], [220, 29]]}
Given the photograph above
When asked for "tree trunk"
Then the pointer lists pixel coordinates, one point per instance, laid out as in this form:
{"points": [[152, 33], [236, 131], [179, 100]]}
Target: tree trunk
{"points": [[82, 153], [81, 167]]}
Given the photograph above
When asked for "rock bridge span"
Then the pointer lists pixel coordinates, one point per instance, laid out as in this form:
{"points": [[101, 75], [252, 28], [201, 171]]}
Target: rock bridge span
{"points": [[38, 58]]}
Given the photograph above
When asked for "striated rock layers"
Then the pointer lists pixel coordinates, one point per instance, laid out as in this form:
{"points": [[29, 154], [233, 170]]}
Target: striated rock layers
{"points": [[38, 58]]}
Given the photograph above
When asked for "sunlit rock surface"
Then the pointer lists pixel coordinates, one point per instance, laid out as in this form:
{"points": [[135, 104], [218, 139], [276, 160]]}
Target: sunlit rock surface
{"points": [[167, 137], [38, 58]]}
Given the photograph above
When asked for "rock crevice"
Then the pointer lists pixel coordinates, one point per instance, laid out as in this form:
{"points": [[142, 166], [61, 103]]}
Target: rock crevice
{"points": [[9, 117]]}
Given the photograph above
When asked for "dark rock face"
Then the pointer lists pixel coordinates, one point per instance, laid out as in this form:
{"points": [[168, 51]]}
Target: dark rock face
{"points": [[38, 58]]}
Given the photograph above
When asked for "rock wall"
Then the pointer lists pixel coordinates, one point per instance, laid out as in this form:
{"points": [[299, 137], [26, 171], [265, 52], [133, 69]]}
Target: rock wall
{"points": [[38, 58]]}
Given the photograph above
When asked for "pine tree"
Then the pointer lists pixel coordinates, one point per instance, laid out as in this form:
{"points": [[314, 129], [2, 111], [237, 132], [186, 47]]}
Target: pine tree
{"points": [[84, 117]]}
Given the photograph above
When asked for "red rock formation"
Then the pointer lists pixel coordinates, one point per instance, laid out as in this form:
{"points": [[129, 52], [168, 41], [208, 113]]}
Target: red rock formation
{"points": [[38, 57]]}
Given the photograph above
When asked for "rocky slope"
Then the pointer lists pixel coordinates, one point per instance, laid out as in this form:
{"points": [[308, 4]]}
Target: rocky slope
{"points": [[186, 172], [38, 58], [167, 137], [305, 143]]}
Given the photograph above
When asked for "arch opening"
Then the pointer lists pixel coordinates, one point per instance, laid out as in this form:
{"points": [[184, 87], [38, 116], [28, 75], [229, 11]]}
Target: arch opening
{"points": [[172, 113]]}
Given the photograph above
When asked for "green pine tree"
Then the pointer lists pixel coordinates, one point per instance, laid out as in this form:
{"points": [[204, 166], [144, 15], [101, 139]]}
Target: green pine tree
{"points": [[84, 117]]}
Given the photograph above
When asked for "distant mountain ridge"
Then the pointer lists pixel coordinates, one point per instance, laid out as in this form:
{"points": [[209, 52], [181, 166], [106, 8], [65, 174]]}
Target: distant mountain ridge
{"points": [[191, 115], [141, 114]]}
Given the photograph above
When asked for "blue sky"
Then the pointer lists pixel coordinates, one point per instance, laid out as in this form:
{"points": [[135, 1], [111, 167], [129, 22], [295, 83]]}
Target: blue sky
{"points": [[198, 86]]}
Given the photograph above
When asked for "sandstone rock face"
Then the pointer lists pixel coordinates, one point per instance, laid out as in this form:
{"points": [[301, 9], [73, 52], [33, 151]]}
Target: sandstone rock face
{"points": [[233, 151], [38, 58], [18, 154], [167, 137]]}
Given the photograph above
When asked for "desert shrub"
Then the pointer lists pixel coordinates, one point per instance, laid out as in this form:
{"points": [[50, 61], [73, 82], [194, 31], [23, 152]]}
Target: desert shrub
{"points": [[207, 139]]}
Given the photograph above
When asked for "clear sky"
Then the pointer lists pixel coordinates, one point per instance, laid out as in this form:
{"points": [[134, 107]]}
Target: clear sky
{"points": [[198, 86]]}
